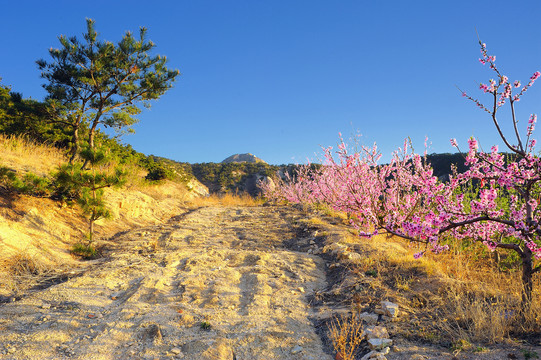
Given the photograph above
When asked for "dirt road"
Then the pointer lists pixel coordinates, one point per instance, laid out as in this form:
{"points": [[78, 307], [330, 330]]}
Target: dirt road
{"points": [[214, 283]]}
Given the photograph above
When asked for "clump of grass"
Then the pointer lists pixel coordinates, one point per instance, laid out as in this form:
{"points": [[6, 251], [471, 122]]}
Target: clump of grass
{"points": [[346, 334], [23, 270], [23, 264], [205, 325], [85, 251]]}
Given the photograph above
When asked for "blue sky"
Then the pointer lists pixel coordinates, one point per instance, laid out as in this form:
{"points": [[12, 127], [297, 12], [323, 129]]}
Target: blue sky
{"points": [[280, 78]]}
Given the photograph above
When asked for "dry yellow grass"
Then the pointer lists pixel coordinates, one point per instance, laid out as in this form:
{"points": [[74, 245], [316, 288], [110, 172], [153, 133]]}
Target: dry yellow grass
{"points": [[22, 268], [225, 200], [460, 294], [24, 155]]}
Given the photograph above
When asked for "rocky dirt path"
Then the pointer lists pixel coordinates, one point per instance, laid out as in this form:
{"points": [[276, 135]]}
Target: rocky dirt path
{"points": [[214, 283]]}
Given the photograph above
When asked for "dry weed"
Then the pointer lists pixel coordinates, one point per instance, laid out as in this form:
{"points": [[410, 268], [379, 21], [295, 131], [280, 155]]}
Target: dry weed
{"points": [[346, 334], [225, 200], [460, 295], [23, 270]]}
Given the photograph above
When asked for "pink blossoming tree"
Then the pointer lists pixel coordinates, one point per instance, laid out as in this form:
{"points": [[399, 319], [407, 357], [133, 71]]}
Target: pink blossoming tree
{"points": [[404, 198]]}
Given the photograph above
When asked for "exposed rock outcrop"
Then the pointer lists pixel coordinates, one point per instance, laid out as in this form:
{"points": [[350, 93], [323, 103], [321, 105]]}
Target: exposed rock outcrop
{"points": [[239, 158]]}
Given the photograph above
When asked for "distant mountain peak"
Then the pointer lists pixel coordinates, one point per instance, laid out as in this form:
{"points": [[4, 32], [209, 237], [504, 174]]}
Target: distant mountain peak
{"points": [[239, 158]]}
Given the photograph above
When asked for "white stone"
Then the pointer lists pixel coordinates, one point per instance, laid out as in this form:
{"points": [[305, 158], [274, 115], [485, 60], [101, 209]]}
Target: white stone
{"points": [[368, 318], [377, 344], [391, 309], [376, 332], [379, 311], [297, 349], [369, 355]]}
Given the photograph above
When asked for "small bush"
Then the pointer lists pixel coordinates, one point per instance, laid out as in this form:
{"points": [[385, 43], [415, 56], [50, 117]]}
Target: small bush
{"points": [[346, 335], [157, 173], [84, 251], [205, 325]]}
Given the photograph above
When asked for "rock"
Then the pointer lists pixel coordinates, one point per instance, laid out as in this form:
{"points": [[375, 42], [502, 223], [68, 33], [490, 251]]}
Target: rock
{"points": [[391, 309], [376, 355], [375, 332], [301, 289], [152, 333], [369, 355], [46, 306], [351, 256], [297, 349], [198, 189], [239, 158], [379, 311], [219, 350], [336, 248], [368, 318], [176, 351], [378, 344]]}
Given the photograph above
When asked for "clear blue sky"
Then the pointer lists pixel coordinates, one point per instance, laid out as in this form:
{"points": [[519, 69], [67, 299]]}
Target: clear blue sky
{"points": [[279, 78]]}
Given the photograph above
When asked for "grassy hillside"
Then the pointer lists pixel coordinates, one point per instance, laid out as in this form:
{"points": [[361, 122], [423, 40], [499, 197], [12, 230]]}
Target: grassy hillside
{"points": [[37, 233]]}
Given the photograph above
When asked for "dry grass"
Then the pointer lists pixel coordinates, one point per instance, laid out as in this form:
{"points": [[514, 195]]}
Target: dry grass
{"points": [[346, 334], [459, 297], [225, 200], [23, 270], [24, 155]]}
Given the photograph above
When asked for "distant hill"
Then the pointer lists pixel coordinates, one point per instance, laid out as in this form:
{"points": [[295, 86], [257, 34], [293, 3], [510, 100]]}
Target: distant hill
{"points": [[243, 158], [442, 164]]}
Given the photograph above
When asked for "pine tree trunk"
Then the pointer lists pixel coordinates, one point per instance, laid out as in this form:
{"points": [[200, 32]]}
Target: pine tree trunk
{"points": [[75, 148], [91, 136], [91, 230]]}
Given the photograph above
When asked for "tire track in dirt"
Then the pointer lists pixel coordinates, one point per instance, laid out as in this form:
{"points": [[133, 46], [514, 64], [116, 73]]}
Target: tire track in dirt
{"points": [[215, 283]]}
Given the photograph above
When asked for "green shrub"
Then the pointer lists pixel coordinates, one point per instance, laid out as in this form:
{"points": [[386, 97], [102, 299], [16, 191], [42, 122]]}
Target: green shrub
{"points": [[85, 251]]}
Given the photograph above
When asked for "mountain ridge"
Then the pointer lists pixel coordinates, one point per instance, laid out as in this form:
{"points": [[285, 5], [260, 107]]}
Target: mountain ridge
{"points": [[240, 158]]}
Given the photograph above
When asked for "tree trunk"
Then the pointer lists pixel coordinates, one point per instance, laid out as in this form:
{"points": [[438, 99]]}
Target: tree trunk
{"points": [[91, 230], [91, 134], [527, 283], [75, 148]]}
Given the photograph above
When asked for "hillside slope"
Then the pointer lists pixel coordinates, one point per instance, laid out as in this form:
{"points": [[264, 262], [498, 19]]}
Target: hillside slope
{"points": [[36, 234]]}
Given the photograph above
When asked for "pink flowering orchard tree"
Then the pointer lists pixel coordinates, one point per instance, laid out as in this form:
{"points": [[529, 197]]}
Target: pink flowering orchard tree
{"points": [[404, 198]]}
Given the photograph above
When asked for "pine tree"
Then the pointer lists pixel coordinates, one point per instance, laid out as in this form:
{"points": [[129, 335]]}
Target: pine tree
{"points": [[97, 82], [89, 183]]}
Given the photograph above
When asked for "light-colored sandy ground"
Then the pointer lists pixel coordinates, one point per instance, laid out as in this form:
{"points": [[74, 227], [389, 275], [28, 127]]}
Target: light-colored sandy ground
{"points": [[225, 267]]}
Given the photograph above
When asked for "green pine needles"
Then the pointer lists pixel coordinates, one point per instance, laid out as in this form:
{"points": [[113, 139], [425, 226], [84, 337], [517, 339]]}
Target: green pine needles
{"points": [[94, 82], [87, 184]]}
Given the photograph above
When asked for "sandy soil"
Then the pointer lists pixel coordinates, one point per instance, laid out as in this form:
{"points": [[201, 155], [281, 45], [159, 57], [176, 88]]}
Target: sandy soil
{"points": [[233, 283]]}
